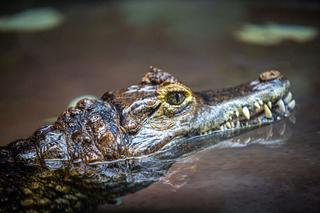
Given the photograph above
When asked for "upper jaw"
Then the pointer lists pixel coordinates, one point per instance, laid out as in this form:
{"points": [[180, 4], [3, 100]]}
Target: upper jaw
{"points": [[249, 105]]}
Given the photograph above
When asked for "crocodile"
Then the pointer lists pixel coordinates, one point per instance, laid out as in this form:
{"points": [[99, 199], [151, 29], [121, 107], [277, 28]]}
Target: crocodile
{"points": [[108, 144]]}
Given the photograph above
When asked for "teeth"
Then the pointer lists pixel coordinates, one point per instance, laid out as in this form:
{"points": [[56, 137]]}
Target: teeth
{"points": [[288, 98], [232, 124], [292, 104], [257, 105], [282, 108], [228, 125], [260, 102], [267, 111], [237, 113], [246, 112], [269, 104]]}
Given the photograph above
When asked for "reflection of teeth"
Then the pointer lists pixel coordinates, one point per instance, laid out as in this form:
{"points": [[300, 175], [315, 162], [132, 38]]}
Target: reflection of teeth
{"points": [[288, 98], [267, 111], [281, 106], [269, 132], [232, 124], [228, 125], [221, 128], [269, 104], [282, 129], [238, 124], [246, 112], [292, 104]]}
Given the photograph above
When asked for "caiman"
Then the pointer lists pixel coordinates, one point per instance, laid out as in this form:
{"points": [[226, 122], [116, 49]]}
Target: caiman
{"points": [[103, 148]]}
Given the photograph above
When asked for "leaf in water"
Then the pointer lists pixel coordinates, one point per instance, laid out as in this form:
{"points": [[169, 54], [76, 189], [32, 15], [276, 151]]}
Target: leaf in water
{"points": [[39, 19]]}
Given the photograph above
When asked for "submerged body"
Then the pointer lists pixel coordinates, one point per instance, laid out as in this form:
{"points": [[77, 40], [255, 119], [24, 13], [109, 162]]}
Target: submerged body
{"points": [[89, 140]]}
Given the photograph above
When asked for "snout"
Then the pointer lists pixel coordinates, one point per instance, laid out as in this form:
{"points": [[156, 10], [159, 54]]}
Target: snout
{"points": [[255, 103]]}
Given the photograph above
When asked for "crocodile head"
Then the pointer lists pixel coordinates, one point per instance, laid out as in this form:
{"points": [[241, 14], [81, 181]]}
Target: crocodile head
{"points": [[161, 109], [149, 117]]}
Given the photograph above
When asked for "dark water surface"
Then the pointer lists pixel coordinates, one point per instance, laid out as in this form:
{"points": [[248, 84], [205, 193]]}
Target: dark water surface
{"points": [[106, 46]]}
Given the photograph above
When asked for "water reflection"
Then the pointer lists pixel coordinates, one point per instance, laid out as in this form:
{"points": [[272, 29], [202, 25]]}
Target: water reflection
{"points": [[106, 182], [185, 166], [271, 136]]}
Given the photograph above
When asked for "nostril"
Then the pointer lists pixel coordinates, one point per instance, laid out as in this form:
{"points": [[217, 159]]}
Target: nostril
{"points": [[269, 75]]}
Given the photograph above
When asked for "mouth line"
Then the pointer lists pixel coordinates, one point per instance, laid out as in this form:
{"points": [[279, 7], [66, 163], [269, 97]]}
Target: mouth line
{"points": [[254, 114]]}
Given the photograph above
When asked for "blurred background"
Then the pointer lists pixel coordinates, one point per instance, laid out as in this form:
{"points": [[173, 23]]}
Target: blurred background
{"points": [[54, 51]]}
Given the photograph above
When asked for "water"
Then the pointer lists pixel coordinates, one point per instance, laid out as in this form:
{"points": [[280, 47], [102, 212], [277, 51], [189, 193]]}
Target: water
{"points": [[106, 46]]}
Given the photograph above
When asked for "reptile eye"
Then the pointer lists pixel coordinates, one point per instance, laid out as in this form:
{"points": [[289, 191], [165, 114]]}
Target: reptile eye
{"points": [[175, 98]]}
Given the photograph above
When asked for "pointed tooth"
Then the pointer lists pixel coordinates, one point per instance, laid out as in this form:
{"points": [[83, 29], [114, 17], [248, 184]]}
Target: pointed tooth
{"points": [[237, 113], [269, 104], [228, 125], [257, 105], [267, 111], [246, 112], [260, 102], [292, 104], [281, 106], [288, 98]]}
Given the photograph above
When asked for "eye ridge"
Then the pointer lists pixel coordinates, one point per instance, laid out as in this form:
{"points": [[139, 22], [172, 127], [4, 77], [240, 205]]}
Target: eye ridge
{"points": [[175, 97]]}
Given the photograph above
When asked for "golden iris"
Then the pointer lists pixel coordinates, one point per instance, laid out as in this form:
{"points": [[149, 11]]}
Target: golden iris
{"points": [[175, 97]]}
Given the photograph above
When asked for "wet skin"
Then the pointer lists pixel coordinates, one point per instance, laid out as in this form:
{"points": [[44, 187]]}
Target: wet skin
{"points": [[90, 143]]}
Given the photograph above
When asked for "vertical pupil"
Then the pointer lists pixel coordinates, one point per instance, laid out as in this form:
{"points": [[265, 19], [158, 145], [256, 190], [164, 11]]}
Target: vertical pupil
{"points": [[177, 96]]}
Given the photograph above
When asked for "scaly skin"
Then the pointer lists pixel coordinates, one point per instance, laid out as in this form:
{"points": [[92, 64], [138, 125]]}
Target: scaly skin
{"points": [[96, 144]]}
